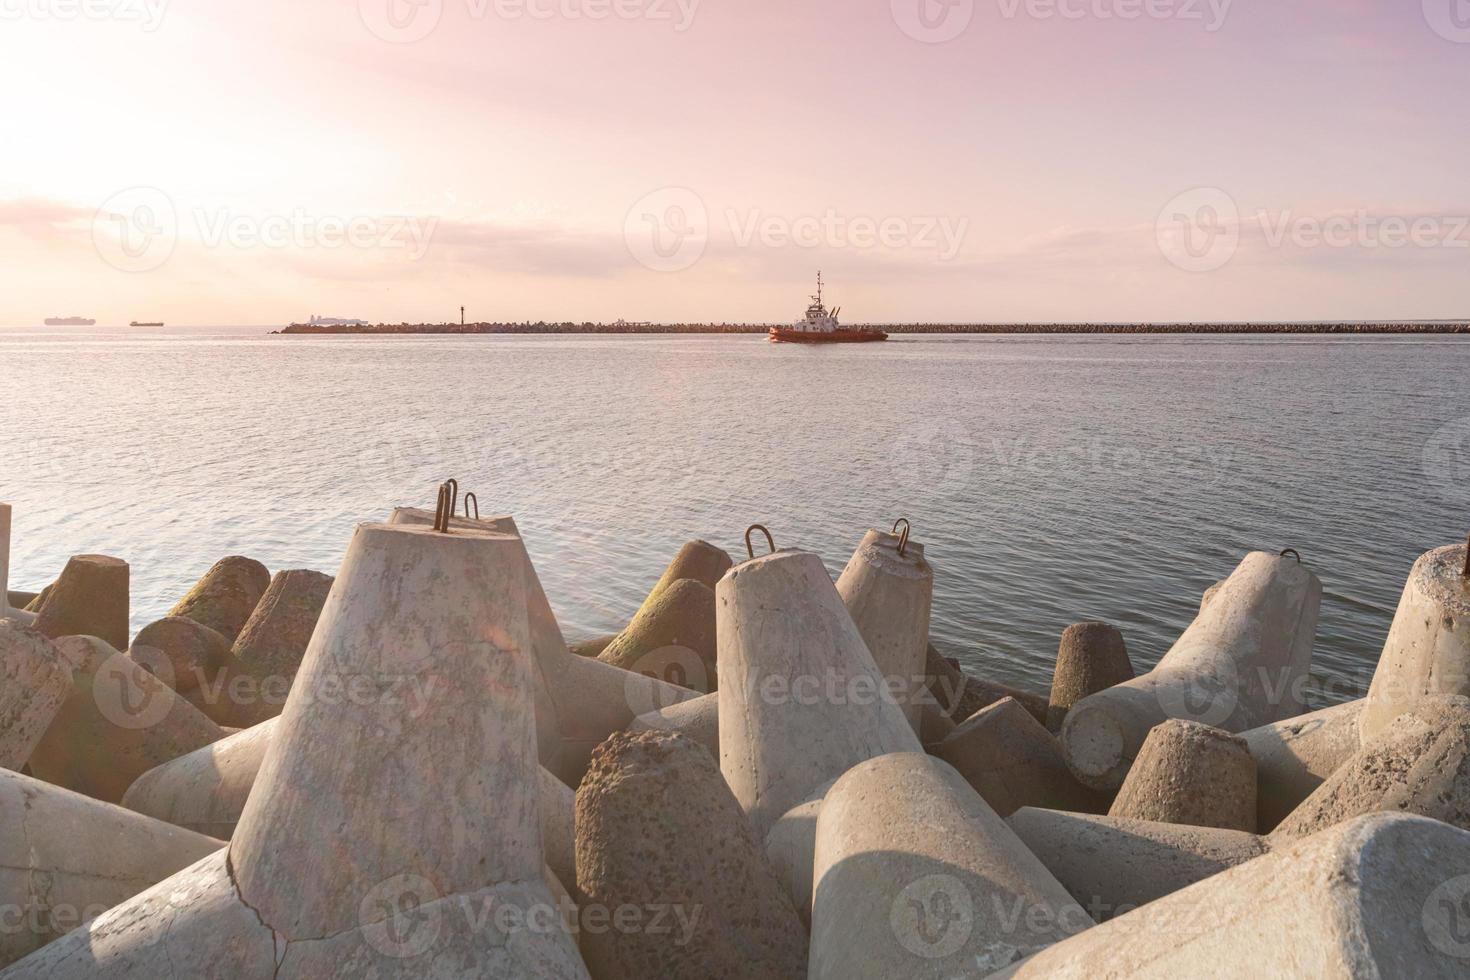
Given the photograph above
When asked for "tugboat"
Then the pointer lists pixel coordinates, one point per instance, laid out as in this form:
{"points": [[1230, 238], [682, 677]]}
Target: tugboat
{"points": [[821, 327]]}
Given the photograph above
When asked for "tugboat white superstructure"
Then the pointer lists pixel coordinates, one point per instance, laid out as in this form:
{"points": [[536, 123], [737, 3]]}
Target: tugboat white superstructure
{"points": [[819, 326]]}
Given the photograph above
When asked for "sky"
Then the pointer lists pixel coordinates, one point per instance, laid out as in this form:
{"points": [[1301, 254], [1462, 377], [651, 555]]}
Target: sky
{"points": [[699, 160]]}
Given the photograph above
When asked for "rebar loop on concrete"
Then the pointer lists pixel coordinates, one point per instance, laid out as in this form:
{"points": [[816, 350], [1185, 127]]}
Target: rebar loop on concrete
{"points": [[443, 509], [470, 498], [1293, 553], [903, 539], [750, 548]]}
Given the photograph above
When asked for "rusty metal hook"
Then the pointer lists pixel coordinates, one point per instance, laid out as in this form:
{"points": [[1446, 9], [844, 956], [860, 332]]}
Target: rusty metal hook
{"points": [[443, 509], [750, 548], [1293, 553], [903, 539], [468, 499], [453, 486]]}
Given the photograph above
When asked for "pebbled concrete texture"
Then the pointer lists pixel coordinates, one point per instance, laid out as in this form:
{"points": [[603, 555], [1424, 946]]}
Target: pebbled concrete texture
{"points": [[1238, 666], [90, 598], [1427, 651], [66, 858], [1188, 773], [1091, 657], [916, 877], [1375, 897], [801, 700], [1420, 765], [225, 596], [1112, 865], [34, 682], [658, 826], [1295, 755], [117, 722], [888, 595]]}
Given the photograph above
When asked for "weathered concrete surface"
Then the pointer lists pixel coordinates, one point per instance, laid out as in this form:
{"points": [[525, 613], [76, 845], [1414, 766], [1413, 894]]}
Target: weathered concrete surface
{"points": [[1091, 657], [579, 701], [697, 560], [5, 600], [1295, 755], [180, 652], [671, 638], [698, 719], [1238, 666], [1420, 764], [934, 726], [34, 606], [1012, 761], [89, 599], [117, 722], [206, 791], [1188, 773], [1428, 646], [65, 858], [1373, 898], [257, 678], [801, 700], [888, 596], [226, 595], [656, 825], [917, 877], [1112, 865], [791, 848], [34, 681]]}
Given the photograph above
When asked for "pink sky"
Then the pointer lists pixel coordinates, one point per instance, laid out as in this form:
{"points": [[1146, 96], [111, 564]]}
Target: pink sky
{"points": [[205, 162]]}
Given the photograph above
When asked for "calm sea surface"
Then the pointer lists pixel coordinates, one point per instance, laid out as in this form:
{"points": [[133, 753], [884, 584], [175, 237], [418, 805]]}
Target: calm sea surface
{"points": [[1050, 479]]}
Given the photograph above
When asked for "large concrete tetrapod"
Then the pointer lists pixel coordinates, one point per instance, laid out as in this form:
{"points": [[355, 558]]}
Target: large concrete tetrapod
{"points": [[1293, 757], [36, 682], [888, 588], [1239, 665], [400, 789], [66, 858], [801, 700], [916, 877], [1428, 646], [1381, 896], [225, 596], [579, 701], [89, 599]]}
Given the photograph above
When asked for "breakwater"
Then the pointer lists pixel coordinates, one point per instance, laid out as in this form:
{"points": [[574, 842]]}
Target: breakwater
{"points": [[1330, 327]]}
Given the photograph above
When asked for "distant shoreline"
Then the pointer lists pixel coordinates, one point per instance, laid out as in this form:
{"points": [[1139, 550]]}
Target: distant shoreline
{"points": [[1336, 327]]}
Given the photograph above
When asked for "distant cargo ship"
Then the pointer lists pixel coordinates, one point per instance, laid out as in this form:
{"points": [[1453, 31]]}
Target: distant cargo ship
{"points": [[821, 327], [139, 323], [69, 321]]}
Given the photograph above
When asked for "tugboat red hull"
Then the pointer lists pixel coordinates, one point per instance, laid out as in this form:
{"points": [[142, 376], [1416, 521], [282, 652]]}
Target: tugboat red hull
{"points": [[783, 335]]}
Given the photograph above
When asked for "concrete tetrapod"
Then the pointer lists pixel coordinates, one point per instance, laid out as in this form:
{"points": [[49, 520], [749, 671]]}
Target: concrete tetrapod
{"points": [[89, 599], [672, 638], [659, 832], [225, 596], [1295, 755], [1428, 646], [1420, 764], [1091, 657], [579, 701], [1112, 865], [182, 653], [697, 560], [1238, 666], [117, 722], [206, 791], [363, 860], [917, 877], [791, 847], [1375, 897], [34, 682], [1012, 761], [1188, 773], [801, 700], [888, 588], [66, 858], [698, 719]]}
